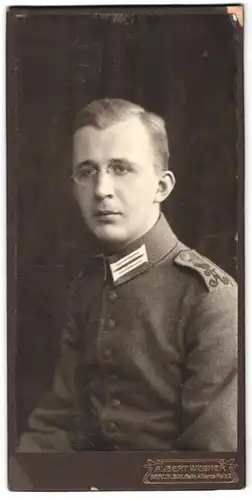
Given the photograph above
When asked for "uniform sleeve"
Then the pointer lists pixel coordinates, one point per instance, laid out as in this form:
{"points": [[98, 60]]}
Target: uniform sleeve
{"points": [[50, 424], [209, 389]]}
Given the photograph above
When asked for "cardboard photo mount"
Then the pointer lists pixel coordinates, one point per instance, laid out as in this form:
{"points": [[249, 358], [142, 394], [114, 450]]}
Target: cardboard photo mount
{"points": [[184, 63]]}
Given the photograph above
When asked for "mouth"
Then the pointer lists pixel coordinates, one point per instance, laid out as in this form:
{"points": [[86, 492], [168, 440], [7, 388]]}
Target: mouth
{"points": [[106, 214]]}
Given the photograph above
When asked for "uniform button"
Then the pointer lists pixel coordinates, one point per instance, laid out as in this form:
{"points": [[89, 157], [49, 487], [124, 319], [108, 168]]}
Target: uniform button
{"points": [[185, 256], [107, 353], [112, 296], [115, 403], [111, 323], [112, 426]]}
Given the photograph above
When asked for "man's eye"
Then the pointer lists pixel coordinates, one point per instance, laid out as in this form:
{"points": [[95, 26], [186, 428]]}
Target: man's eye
{"points": [[120, 169], [87, 171]]}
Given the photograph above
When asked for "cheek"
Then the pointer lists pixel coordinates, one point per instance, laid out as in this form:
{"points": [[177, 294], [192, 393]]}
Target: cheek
{"points": [[143, 189], [82, 197]]}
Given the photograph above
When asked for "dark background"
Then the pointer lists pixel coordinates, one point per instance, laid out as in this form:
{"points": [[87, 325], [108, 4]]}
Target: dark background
{"points": [[181, 66]]}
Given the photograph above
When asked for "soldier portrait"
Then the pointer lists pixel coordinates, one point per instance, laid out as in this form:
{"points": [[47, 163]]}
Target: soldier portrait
{"points": [[149, 354], [125, 172]]}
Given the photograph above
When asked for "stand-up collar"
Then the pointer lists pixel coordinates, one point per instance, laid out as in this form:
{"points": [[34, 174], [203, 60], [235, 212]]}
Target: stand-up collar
{"points": [[143, 253]]}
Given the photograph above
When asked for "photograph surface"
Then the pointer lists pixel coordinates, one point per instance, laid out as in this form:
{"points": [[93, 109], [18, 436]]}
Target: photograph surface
{"points": [[125, 248]]}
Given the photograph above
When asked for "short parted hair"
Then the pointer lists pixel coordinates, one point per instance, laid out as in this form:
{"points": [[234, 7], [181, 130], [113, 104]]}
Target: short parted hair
{"points": [[105, 112]]}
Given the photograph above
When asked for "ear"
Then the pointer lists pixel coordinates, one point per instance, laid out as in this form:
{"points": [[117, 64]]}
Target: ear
{"points": [[166, 184]]}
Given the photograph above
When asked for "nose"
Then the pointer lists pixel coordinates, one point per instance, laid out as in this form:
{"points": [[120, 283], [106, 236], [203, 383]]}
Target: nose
{"points": [[103, 185]]}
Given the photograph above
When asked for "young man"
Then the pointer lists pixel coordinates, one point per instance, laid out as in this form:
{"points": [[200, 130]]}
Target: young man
{"points": [[149, 354]]}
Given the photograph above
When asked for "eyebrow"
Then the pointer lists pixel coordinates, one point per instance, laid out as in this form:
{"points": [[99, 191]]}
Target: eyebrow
{"points": [[96, 165], [86, 162]]}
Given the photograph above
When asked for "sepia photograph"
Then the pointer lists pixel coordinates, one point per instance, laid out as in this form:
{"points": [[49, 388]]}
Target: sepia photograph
{"points": [[125, 248]]}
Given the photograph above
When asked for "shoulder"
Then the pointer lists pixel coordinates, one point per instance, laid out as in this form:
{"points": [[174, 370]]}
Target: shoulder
{"points": [[204, 271], [210, 298]]}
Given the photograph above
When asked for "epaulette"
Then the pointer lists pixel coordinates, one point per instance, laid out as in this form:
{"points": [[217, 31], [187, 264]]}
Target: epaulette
{"points": [[212, 275]]}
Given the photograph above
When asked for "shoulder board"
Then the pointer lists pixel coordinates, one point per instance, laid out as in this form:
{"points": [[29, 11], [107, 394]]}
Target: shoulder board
{"points": [[213, 276]]}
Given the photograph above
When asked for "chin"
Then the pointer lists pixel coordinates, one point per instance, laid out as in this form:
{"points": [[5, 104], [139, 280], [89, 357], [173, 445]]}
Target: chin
{"points": [[109, 235]]}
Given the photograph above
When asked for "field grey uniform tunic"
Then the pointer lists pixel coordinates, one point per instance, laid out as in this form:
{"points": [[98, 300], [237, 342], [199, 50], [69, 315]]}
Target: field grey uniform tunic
{"points": [[149, 355]]}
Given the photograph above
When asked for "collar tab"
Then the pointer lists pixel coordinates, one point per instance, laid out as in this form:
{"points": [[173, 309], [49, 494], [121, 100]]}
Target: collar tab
{"points": [[142, 254], [128, 263]]}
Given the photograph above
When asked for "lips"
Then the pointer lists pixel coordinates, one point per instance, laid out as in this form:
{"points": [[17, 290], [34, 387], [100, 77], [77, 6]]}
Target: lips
{"points": [[103, 213]]}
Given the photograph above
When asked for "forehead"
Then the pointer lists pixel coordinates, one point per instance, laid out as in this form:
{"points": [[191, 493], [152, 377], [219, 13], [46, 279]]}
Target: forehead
{"points": [[126, 139]]}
